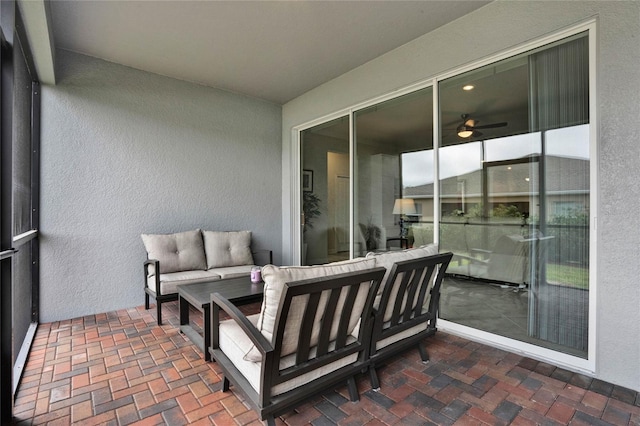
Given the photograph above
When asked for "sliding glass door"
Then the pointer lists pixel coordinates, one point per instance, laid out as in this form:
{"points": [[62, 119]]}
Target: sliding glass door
{"points": [[506, 188], [514, 179]]}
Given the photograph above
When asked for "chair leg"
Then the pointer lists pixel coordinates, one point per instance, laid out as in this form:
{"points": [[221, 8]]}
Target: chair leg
{"points": [[146, 301], [225, 384], [373, 377], [159, 311], [353, 389], [423, 353], [271, 421]]}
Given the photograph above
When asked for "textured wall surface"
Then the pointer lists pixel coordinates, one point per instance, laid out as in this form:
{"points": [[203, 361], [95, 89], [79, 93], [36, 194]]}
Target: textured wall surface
{"points": [[126, 152], [492, 29]]}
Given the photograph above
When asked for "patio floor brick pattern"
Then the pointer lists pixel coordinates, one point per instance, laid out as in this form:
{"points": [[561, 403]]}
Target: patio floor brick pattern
{"points": [[121, 368]]}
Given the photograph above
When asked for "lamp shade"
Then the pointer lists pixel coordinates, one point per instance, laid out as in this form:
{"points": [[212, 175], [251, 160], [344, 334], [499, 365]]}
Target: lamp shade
{"points": [[404, 206]]}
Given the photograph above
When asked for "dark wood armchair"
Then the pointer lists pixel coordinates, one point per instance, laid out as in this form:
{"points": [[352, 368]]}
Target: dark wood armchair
{"points": [[407, 310], [316, 314]]}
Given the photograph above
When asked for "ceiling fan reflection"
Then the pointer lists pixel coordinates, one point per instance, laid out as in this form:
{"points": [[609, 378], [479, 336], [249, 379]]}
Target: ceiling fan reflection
{"points": [[469, 127]]}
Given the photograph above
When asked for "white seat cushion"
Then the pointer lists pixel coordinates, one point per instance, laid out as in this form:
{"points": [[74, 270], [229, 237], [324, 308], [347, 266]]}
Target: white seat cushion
{"points": [[400, 336], [169, 282], [235, 343]]}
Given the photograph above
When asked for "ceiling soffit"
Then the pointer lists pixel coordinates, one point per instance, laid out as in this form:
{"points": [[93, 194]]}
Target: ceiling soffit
{"points": [[265, 49]]}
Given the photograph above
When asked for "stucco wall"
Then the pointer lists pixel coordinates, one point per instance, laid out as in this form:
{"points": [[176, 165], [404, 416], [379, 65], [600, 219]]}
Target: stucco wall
{"points": [[492, 29], [126, 152]]}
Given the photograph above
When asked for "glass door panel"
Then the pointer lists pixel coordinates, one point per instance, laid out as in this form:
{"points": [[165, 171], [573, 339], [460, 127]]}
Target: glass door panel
{"points": [[325, 183], [514, 185], [394, 172]]}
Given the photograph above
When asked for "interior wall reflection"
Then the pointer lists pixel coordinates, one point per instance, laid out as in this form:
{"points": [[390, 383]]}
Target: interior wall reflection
{"points": [[325, 184], [394, 179], [515, 196]]}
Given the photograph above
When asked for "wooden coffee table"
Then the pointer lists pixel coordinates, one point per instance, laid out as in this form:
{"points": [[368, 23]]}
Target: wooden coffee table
{"points": [[237, 290]]}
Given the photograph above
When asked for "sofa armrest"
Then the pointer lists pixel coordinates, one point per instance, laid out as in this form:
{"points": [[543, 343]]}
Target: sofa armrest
{"points": [[219, 302], [155, 264], [262, 257]]}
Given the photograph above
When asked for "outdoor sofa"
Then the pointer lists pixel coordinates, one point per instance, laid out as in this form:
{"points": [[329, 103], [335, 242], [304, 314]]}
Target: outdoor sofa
{"points": [[193, 257], [318, 326]]}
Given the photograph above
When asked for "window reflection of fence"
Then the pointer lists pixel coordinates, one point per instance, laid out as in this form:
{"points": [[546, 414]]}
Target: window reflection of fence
{"points": [[465, 235], [570, 245]]}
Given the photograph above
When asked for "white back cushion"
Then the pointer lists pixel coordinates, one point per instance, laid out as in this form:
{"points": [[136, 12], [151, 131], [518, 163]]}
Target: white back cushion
{"points": [[231, 248], [387, 260], [182, 251], [275, 278]]}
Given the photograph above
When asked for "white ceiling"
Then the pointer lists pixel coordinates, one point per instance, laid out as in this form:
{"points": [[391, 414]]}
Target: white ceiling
{"points": [[273, 50]]}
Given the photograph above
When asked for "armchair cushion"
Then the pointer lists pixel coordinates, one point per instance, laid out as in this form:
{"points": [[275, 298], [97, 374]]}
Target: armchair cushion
{"points": [[227, 248], [182, 251], [235, 343], [409, 332], [275, 277], [388, 259]]}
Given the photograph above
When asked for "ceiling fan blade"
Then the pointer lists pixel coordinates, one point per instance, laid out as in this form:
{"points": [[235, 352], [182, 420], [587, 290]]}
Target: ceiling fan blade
{"points": [[491, 126]]}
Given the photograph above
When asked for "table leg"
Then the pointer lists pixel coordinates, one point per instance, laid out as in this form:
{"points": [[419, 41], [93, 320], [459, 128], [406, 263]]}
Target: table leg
{"points": [[207, 332], [184, 311]]}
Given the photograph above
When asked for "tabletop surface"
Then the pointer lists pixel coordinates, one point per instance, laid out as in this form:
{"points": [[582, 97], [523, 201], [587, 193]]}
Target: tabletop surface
{"points": [[232, 289]]}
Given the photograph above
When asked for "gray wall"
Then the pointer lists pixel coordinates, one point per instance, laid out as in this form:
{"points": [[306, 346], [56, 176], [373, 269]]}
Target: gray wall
{"points": [[126, 152], [495, 28]]}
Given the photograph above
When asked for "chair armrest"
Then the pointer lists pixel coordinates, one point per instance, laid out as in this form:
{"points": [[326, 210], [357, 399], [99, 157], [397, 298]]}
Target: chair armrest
{"points": [[219, 302], [151, 262], [262, 257], [156, 273]]}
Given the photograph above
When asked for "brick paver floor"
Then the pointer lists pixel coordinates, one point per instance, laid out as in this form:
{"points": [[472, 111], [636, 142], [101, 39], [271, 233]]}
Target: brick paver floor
{"points": [[121, 368]]}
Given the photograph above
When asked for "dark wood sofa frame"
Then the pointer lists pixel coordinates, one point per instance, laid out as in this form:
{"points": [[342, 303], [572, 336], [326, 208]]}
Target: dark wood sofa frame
{"points": [[263, 402], [420, 279], [265, 256]]}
